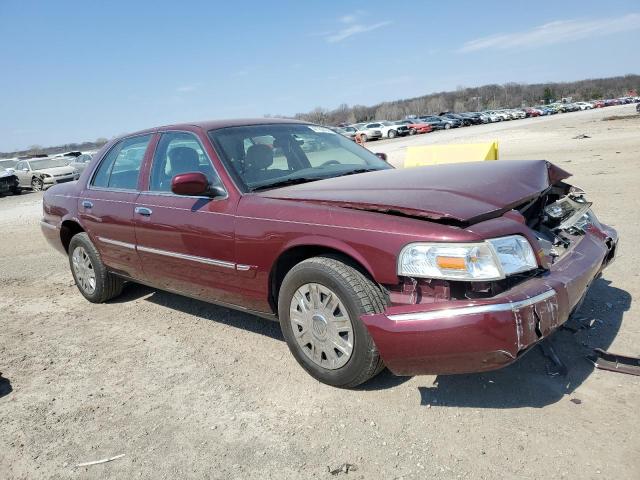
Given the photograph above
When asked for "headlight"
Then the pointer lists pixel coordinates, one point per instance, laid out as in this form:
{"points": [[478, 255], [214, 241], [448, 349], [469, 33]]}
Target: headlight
{"points": [[492, 259]]}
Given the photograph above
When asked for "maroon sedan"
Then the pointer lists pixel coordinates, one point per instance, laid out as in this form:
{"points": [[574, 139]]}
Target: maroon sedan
{"points": [[443, 269]]}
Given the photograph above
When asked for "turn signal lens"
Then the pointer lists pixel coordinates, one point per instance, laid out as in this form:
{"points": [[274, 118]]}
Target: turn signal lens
{"points": [[451, 263]]}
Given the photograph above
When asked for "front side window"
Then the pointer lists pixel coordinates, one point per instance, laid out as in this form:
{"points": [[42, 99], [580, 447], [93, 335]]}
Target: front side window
{"points": [[176, 153], [120, 168], [266, 156]]}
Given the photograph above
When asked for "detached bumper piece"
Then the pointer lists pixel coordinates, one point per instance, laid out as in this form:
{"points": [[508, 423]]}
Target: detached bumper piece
{"points": [[615, 363]]}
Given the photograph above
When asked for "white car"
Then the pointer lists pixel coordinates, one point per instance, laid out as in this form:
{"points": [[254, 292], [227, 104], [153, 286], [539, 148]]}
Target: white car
{"points": [[584, 105], [41, 173], [368, 131]]}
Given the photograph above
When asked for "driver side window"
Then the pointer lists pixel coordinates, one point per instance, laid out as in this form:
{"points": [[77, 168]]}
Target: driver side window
{"points": [[176, 153]]}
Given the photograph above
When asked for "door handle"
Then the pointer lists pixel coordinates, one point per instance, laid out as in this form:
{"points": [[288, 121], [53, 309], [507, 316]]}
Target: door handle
{"points": [[87, 204], [143, 211]]}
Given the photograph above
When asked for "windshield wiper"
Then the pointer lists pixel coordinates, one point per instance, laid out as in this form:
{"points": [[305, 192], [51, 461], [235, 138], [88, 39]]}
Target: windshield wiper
{"points": [[284, 183], [358, 170]]}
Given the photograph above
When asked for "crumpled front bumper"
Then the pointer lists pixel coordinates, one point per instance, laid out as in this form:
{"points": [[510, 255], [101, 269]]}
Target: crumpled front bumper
{"points": [[478, 335]]}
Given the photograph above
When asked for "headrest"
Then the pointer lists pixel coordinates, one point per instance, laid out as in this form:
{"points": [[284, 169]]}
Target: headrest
{"points": [[259, 156], [183, 160]]}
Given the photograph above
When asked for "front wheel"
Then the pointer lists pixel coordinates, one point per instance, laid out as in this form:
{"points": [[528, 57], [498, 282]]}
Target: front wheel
{"points": [[320, 303], [37, 184], [392, 134], [93, 280], [447, 126]]}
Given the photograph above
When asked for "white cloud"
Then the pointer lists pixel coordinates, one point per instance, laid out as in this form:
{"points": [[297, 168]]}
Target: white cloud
{"points": [[558, 31], [186, 88], [352, 17], [352, 29]]}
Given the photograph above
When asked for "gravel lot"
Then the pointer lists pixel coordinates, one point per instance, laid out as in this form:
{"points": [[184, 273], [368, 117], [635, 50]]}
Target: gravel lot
{"points": [[185, 389]]}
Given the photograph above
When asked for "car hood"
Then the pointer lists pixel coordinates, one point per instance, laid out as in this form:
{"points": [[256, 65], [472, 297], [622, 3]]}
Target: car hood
{"points": [[463, 192], [56, 170]]}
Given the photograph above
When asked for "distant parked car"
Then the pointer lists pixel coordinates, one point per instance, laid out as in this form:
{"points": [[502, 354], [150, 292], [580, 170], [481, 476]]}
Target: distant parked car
{"points": [[41, 173], [415, 126], [474, 118], [388, 129], [441, 123], [501, 115], [9, 183], [81, 162], [638, 107], [598, 103], [584, 105], [532, 112], [456, 116], [369, 133], [492, 116]]}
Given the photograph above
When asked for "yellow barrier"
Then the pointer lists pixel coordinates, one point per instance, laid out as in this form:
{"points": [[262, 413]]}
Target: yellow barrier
{"points": [[455, 153]]}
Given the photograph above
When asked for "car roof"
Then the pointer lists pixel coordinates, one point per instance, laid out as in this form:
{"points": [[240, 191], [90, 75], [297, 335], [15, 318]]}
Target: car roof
{"points": [[216, 124]]}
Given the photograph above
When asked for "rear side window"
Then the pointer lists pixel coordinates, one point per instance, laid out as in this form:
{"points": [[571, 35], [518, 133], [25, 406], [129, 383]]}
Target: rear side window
{"points": [[120, 168]]}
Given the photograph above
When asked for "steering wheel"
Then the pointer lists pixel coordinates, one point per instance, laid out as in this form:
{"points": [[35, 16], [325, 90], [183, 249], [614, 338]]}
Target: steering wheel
{"points": [[330, 162]]}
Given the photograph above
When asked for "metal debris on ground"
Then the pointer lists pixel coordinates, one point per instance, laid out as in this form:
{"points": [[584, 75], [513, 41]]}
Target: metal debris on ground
{"points": [[97, 462], [344, 468], [577, 401], [615, 363], [581, 136]]}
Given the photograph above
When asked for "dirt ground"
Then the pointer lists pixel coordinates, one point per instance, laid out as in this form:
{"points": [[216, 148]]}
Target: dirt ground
{"points": [[185, 389]]}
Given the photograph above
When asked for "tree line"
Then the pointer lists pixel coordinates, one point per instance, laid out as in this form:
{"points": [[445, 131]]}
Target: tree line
{"points": [[472, 99], [463, 99]]}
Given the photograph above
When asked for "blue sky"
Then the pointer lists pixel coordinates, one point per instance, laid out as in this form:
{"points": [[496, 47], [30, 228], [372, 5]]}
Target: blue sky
{"points": [[77, 70]]}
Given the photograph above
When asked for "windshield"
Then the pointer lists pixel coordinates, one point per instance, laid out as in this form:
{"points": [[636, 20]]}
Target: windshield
{"points": [[260, 156], [48, 163]]}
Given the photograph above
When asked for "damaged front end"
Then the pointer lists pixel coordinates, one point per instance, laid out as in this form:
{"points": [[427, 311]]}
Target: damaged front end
{"points": [[560, 217], [439, 326]]}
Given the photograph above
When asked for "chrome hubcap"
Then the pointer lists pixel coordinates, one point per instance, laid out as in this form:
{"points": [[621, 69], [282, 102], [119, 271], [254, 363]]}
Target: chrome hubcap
{"points": [[83, 270], [321, 326]]}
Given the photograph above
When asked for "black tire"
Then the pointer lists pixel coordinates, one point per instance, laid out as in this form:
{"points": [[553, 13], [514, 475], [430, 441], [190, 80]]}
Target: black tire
{"points": [[412, 131], [359, 295], [392, 134], [107, 285], [37, 185]]}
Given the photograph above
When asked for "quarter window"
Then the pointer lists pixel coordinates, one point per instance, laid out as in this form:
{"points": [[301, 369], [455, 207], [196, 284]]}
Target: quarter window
{"points": [[120, 168], [176, 153]]}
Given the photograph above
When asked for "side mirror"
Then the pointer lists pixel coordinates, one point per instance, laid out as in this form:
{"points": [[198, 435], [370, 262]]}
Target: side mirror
{"points": [[381, 155], [195, 183]]}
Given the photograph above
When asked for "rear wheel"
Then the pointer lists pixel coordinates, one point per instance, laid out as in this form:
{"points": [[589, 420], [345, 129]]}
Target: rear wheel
{"points": [[412, 131], [91, 276], [392, 134], [447, 126], [320, 303]]}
